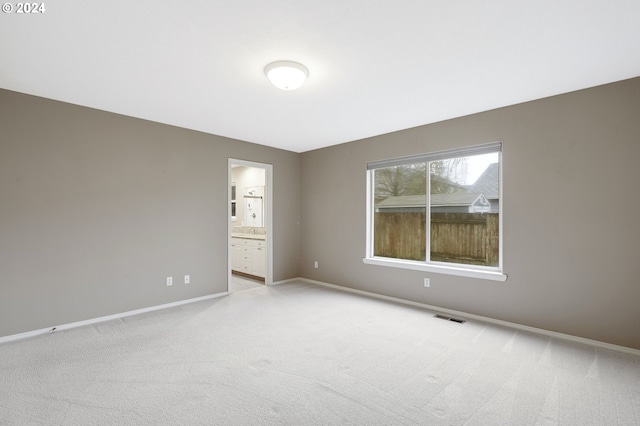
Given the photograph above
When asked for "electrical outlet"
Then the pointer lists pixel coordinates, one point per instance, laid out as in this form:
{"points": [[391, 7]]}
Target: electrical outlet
{"points": [[427, 282], [187, 279], [315, 264], [169, 281]]}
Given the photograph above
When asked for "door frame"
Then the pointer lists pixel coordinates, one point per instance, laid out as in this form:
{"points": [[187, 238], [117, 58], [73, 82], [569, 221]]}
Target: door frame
{"points": [[268, 213]]}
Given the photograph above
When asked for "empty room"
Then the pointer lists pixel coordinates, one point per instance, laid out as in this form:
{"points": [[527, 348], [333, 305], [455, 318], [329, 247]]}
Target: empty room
{"points": [[320, 213]]}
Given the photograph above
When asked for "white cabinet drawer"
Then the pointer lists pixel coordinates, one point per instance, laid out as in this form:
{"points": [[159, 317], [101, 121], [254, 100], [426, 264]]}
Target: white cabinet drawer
{"points": [[249, 256]]}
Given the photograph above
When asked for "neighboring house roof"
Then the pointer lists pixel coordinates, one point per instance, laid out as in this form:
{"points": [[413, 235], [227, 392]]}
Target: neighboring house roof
{"points": [[455, 199], [403, 201], [488, 182]]}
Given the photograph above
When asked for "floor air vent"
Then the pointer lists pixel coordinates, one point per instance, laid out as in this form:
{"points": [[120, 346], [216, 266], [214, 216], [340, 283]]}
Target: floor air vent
{"points": [[458, 320]]}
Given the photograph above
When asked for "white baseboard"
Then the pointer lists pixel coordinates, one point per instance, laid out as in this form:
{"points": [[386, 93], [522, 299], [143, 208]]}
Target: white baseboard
{"points": [[285, 281], [596, 343], [465, 315], [34, 333]]}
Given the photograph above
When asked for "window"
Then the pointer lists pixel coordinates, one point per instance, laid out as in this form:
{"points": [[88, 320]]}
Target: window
{"points": [[233, 201], [438, 212]]}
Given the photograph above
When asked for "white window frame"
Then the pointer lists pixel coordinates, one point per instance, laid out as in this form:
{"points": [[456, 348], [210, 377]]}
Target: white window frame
{"points": [[473, 271]]}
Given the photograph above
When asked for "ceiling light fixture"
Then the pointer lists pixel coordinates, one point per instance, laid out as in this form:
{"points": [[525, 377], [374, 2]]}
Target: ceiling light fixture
{"points": [[286, 75]]}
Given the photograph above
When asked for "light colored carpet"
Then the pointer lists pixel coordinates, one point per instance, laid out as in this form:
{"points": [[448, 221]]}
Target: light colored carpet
{"points": [[300, 354], [239, 283]]}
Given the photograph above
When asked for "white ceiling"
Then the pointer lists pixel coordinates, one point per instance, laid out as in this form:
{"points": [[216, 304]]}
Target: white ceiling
{"points": [[376, 66]]}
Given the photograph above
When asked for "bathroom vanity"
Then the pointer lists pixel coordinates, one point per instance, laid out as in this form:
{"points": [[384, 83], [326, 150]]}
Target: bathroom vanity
{"points": [[248, 254]]}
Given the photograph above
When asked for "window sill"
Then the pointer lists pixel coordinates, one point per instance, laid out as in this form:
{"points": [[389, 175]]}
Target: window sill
{"points": [[438, 269]]}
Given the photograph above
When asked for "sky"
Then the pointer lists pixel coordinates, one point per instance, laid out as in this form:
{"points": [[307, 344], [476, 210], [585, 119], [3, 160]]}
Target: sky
{"points": [[478, 164]]}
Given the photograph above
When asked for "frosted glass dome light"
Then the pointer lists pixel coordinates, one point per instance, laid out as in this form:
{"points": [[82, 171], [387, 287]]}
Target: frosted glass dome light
{"points": [[286, 75]]}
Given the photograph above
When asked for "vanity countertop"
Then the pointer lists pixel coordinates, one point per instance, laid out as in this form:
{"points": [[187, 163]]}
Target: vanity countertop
{"points": [[248, 236]]}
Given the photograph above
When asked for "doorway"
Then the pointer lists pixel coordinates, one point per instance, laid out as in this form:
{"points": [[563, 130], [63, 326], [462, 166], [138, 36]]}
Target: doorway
{"points": [[250, 224]]}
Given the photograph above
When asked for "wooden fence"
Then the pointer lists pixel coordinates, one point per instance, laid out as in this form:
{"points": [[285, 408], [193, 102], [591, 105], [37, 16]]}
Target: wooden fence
{"points": [[469, 238]]}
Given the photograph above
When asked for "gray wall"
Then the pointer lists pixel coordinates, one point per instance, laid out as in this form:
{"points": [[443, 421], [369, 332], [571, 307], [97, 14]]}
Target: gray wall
{"points": [[97, 209], [571, 211]]}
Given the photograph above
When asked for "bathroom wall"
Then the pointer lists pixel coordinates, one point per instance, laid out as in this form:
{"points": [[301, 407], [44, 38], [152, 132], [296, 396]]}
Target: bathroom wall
{"points": [[245, 177]]}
